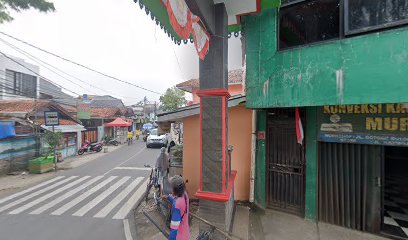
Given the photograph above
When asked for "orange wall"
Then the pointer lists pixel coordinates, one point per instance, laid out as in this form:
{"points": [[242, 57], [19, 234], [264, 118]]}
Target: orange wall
{"points": [[233, 90], [191, 153], [239, 136]]}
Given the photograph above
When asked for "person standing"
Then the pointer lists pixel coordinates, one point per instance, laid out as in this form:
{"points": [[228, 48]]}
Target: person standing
{"points": [[129, 137], [162, 164], [179, 226]]}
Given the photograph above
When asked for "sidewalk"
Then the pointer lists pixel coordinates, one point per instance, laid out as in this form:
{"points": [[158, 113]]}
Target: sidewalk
{"points": [[13, 183], [257, 225], [273, 224]]}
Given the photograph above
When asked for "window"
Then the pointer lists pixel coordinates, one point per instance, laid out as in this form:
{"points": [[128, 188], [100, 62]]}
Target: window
{"points": [[153, 132], [308, 22], [366, 15], [21, 84], [303, 22]]}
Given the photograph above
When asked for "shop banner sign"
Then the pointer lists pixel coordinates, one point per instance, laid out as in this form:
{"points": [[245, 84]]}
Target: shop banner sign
{"points": [[84, 110], [378, 124]]}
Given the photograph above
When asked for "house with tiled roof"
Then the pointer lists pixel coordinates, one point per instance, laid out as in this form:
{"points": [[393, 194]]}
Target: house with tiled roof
{"points": [[22, 126], [239, 132], [102, 109], [236, 84]]}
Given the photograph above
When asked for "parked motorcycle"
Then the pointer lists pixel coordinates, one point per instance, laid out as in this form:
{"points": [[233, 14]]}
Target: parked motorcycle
{"points": [[90, 147], [111, 142]]}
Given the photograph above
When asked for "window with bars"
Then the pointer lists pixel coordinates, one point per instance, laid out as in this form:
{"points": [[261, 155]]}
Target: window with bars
{"points": [[21, 84]]}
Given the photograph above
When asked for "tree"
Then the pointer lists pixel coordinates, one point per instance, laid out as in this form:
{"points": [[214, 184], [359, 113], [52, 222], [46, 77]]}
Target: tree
{"points": [[173, 98], [53, 139], [19, 5]]}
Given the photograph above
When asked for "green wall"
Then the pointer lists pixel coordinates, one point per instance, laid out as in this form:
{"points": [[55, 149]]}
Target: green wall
{"points": [[260, 165], [374, 68], [311, 164]]}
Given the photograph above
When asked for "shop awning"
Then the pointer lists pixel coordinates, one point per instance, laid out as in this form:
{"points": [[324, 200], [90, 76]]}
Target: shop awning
{"points": [[65, 128], [118, 122]]}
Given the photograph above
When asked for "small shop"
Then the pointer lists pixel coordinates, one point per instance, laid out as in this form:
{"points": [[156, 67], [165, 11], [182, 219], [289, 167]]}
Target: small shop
{"points": [[363, 163], [71, 140], [120, 129]]}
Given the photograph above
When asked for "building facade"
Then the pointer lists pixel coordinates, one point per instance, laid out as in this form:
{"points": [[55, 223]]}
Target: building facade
{"points": [[343, 64], [17, 81], [22, 126], [239, 134]]}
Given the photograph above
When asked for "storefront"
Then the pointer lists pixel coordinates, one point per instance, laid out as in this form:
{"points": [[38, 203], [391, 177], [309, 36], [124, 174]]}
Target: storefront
{"points": [[69, 146], [363, 162], [72, 139]]}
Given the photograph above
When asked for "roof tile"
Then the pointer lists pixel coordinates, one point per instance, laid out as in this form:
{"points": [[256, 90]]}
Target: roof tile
{"points": [[234, 77]]}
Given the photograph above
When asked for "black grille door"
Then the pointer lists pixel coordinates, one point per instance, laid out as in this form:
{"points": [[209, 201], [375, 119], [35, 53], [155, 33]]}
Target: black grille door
{"points": [[285, 164]]}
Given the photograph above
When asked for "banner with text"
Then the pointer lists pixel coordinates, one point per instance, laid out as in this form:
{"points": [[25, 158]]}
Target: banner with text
{"points": [[379, 124]]}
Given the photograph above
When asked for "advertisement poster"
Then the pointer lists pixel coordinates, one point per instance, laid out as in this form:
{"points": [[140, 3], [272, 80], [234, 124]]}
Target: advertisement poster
{"points": [[379, 124]]}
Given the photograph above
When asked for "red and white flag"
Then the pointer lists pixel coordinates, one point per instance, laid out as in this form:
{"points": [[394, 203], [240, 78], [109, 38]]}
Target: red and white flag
{"points": [[299, 128]]}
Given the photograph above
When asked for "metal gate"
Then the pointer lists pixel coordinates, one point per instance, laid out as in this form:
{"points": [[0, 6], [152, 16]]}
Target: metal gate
{"points": [[285, 163], [350, 185]]}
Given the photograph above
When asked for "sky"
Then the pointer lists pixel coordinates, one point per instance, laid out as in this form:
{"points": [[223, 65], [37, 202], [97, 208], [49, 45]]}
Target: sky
{"points": [[115, 37]]}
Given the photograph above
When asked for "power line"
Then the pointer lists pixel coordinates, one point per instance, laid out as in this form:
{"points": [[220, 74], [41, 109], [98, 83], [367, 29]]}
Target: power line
{"points": [[22, 65], [42, 87], [39, 61], [11, 84], [78, 64], [13, 92]]}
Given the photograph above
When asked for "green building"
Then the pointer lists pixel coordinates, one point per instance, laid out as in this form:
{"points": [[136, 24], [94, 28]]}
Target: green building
{"points": [[329, 81], [344, 65]]}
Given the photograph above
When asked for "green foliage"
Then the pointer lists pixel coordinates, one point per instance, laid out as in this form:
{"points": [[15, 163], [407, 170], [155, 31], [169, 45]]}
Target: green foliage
{"points": [[53, 139], [19, 5], [173, 98]]}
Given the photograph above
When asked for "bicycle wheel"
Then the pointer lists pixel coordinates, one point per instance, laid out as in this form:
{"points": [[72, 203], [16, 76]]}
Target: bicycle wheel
{"points": [[149, 186]]}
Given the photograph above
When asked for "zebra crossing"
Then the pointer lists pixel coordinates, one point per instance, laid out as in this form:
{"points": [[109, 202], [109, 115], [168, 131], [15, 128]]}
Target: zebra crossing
{"points": [[97, 196]]}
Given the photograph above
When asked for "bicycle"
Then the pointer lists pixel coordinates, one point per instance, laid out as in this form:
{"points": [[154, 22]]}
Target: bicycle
{"points": [[162, 205]]}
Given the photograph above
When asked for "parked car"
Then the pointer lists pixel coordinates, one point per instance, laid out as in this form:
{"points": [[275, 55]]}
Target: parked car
{"points": [[156, 140]]}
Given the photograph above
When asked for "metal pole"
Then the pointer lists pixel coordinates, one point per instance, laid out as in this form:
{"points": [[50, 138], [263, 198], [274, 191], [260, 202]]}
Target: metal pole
{"points": [[55, 155]]}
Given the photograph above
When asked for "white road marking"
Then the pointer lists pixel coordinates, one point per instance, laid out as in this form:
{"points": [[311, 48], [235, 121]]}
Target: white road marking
{"points": [[30, 189], [141, 150], [133, 168], [108, 208], [126, 227], [47, 196], [81, 212], [81, 197], [65, 196], [133, 200], [34, 194]]}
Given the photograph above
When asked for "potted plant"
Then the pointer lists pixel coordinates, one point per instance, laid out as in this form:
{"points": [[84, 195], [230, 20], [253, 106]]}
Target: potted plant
{"points": [[46, 163]]}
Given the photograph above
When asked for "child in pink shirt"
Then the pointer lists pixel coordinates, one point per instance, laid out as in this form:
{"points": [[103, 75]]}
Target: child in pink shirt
{"points": [[179, 227]]}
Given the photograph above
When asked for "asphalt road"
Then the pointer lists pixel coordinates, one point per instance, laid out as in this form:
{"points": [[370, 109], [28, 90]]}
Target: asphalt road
{"points": [[89, 202]]}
